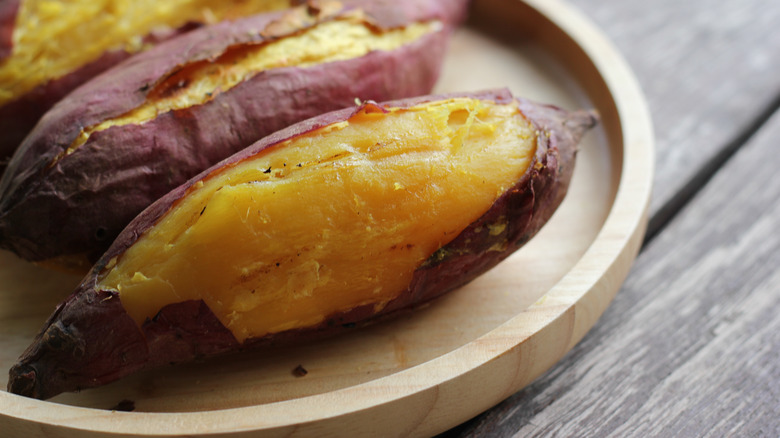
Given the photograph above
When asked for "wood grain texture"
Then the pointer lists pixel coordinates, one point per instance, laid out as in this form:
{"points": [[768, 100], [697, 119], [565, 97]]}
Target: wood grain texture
{"points": [[691, 345], [709, 71]]}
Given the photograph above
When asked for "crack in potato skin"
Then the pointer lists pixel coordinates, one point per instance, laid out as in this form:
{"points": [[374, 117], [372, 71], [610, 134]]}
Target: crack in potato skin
{"points": [[344, 36], [52, 38], [313, 226]]}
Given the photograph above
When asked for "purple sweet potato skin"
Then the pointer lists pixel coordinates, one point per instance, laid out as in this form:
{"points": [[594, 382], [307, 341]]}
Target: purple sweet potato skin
{"points": [[18, 117], [8, 11], [95, 327], [187, 330], [121, 170]]}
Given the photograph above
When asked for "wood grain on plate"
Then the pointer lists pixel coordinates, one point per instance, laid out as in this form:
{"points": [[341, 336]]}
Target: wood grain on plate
{"points": [[432, 369]]}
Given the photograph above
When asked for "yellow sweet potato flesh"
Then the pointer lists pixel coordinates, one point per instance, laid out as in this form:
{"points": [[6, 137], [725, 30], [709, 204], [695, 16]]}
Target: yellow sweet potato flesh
{"points": [[346, 38], [327, 221], [55, 37]]}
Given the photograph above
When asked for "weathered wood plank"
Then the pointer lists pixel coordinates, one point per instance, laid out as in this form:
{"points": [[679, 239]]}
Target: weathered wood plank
{"points": [[691, 344], [709, 71]]}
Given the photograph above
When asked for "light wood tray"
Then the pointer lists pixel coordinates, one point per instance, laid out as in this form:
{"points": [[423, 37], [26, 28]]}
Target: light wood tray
{"points": [[445, 363]]}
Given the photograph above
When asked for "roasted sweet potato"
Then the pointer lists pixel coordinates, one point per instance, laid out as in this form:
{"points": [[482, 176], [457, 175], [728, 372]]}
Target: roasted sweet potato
{"points": [[340, 219], [48, 48], [115, 145]]}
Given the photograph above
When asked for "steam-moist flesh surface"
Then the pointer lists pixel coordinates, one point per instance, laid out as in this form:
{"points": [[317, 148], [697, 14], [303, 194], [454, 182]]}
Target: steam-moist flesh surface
{"points": [[345, 38], [334, 219], [55, 37]]}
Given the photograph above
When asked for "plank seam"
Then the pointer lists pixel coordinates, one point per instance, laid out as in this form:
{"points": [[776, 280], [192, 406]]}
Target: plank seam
{"points": [[673, 207]]}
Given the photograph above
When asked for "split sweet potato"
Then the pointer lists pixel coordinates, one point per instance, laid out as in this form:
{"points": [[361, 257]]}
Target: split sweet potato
{"points": [[48, 48], [332, 222], [132, 134]]}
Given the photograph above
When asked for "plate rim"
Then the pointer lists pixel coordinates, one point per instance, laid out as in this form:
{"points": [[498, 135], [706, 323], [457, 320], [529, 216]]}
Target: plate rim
{"points": [[422, 391]]}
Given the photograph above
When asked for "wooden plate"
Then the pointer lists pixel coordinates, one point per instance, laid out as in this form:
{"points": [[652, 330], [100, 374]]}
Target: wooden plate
{"points": [[430, 370]]}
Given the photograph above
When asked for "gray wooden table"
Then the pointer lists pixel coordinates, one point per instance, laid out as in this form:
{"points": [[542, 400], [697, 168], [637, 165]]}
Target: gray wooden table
{"points": [[691, 344]]}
